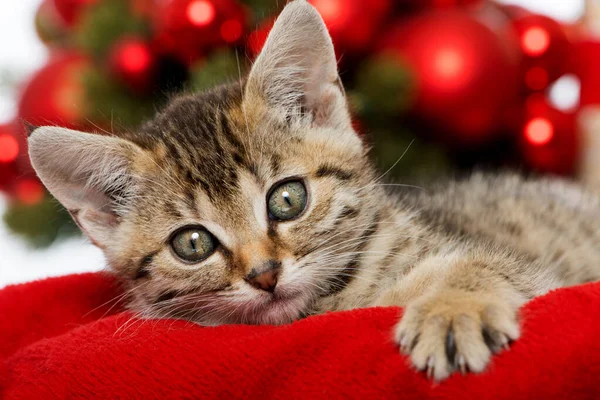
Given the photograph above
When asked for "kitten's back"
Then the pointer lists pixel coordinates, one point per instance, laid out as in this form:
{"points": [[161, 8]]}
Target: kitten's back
{"points": [[548, 219]]}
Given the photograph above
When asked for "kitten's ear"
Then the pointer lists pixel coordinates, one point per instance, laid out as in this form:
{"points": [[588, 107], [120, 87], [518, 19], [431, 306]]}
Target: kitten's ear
{"points": [[296, 70], [91, 175]]}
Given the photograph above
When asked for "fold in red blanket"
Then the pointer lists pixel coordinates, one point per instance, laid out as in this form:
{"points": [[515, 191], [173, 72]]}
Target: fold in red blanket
{"points": [[60, 338]]}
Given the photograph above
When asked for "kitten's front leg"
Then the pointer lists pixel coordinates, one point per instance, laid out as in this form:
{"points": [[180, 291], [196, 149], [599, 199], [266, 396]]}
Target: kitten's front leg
{"points": [[459, 310]]}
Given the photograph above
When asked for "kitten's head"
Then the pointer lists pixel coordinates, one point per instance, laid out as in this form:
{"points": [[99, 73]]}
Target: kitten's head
{"points": [[242, 204]]}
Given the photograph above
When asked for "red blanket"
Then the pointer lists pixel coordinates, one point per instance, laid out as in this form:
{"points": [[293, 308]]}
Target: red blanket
{"points": [[60, 338]]}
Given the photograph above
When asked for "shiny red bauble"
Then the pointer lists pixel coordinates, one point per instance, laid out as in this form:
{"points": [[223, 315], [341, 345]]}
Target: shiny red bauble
{"points": [[544, 45], [549, 140], [70, 10], [585, 64], [10, 150], [353, 24], [55, 94], [464, 75], [189, 29], [133, 63]]}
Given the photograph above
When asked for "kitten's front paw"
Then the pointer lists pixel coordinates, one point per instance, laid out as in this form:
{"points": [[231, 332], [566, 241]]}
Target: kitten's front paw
{"points": [[455, 330]]}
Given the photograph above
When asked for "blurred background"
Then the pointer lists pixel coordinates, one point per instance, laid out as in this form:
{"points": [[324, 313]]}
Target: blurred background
{"points": [[451, 84]]}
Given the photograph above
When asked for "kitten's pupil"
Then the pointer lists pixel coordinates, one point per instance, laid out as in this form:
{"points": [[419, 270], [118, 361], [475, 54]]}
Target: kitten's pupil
{"points": [[286, 197], [193, 240]]}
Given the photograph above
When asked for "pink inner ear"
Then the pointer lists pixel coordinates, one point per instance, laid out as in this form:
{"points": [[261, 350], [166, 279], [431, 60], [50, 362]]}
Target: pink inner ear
{"points": [[326, 107], [98, 226]]}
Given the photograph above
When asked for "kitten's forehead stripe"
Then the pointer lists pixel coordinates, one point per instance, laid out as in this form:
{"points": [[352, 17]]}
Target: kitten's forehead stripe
{"points": [[226, 130], [190, 196], [171, 209], [275, 164], [200, 141], [331, 170]]}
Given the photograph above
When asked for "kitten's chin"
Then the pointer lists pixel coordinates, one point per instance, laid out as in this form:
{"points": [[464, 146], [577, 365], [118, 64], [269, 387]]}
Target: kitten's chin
{"points": [[260, 308], [280, 310], [275, 311]]}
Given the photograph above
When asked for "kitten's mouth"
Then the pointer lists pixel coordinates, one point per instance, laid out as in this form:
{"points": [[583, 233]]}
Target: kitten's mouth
{"points": [[278, 298], [281, 307], [282, 295]]}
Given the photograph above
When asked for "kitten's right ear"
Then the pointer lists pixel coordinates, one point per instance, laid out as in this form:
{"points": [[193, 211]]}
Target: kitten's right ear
{"points": [[91, 175], [296, 71]]}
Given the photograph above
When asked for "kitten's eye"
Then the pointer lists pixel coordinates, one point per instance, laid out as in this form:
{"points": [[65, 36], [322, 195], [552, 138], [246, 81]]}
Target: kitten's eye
{"points": [[287, 201], [193, 244]]}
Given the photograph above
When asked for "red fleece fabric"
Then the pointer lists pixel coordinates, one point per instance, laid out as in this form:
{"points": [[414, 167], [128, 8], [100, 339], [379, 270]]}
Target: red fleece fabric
{"points": [[64, 338]]}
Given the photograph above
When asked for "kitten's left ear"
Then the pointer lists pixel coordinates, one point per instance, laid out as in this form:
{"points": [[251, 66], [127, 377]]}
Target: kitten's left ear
{"points": [[296, 71], [91, 175]]}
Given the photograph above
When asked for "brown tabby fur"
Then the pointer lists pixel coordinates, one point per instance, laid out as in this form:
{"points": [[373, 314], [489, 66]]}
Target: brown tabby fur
{"points": [[462, 257]]}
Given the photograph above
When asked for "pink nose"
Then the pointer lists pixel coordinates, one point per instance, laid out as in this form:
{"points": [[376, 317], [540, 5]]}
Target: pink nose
{"points": [[265, 278]]}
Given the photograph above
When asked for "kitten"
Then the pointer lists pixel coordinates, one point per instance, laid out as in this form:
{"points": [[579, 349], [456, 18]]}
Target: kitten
{"points": [[257, 203]]}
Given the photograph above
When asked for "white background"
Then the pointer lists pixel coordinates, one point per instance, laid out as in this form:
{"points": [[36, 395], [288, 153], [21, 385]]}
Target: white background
{"points": [[21, 53]]}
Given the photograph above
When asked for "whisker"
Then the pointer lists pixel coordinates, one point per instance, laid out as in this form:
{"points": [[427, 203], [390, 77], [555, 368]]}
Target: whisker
{"points": [[397, 161]]}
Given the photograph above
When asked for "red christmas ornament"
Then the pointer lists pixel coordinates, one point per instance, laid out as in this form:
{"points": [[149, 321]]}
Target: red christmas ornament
{"points": [[70, 10], [465, 77], [48, 24], [353, 23], [188, 29], [545, 47], [549, 142], [8, 176], [535, 104], [13, 147], [9, 152], [29, 191], [9, 148], [585, 63], [134, 64], [55, 95], [536, 78], [14, 160]]}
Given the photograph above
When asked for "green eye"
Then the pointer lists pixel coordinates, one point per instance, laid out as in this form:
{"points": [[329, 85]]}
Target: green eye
{"points": [[287, 201], [193, 244]]}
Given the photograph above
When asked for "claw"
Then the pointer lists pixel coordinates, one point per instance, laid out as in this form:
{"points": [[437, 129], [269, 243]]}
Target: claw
{"points": [[505, 342], [462, 364], [403, 341], [430, 366]]}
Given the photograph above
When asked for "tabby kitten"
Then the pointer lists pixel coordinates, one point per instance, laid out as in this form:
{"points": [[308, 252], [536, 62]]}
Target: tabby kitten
{"points": [[256, 203]]}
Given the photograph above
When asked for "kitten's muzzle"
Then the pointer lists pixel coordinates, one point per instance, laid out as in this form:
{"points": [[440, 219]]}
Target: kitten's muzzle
{"points": [[264, 277]]}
